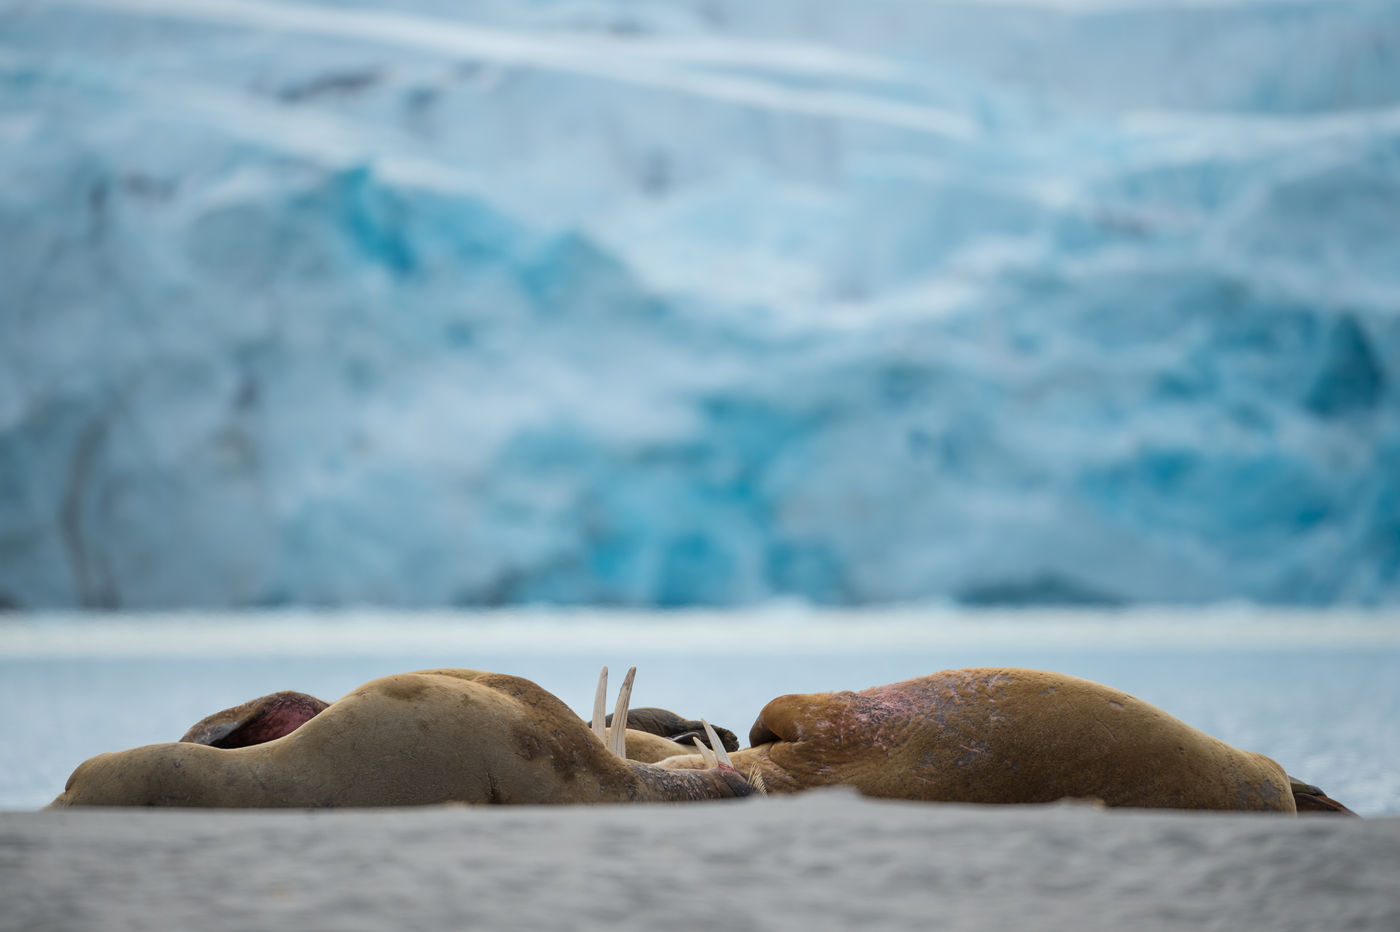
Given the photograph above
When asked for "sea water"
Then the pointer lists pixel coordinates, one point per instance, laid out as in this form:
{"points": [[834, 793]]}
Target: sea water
{"points": [[1318, 691]]}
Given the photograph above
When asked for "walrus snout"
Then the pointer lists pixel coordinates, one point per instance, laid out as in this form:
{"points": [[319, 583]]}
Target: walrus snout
{"points": [[735, 782]]}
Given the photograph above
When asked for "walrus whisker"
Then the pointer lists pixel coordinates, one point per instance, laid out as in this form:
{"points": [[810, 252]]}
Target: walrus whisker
{"points": [[755, 778], [618, 733], [706, 754], [600, 707]]}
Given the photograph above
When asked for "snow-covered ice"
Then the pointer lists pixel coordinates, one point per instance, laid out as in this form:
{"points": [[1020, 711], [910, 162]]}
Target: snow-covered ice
{"points": [[782, 864]]}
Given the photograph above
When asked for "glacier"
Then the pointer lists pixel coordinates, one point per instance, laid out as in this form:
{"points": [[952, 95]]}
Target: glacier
{"points": [[699, 303]]}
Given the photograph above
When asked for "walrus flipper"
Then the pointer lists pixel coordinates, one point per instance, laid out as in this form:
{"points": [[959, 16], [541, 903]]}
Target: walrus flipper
{"points": [[1309, 798], [256, 721]]}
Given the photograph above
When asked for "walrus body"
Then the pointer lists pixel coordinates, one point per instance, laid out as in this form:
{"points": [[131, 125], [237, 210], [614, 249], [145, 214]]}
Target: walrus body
{"points": [[649, 748], [269, 717], [1003, 736], [675, 728], [417, 738]]}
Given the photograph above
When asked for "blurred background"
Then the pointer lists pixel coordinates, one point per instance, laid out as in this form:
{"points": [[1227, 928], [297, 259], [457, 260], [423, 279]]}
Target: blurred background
{"points": [[699, 303], [903, 334]]}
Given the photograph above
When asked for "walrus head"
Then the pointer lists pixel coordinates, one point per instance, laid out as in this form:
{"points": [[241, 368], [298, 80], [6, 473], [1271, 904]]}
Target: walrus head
{"points": [[718, 758], [727, 779]]}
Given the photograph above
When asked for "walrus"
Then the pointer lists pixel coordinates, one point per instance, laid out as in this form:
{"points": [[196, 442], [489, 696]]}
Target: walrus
{"points": [[435, 736], [1001, 735], [651, 734], [667, 724]]}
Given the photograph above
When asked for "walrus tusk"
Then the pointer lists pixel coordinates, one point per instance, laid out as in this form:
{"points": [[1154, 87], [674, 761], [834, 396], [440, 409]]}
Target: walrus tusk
{"points": [[600, 707], [717, 745], [706, 754], [617, 734], [717, 756]]}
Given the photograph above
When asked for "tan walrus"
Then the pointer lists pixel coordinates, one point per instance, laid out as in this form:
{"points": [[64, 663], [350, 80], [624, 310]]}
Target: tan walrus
{"points": [[651, 734], [417, 738], [1001, 735]]}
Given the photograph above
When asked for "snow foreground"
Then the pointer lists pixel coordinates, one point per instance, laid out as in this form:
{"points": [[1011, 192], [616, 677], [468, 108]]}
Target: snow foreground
{"points": [[796, 863], [671, 304]]}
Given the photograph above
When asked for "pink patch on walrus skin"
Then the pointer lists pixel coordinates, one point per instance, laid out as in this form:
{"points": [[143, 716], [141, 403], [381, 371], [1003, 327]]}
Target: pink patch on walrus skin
{"points": [[880, 717], [256, 721]]}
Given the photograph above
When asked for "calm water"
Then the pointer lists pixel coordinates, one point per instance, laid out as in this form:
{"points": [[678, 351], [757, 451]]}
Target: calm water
{"points": [[1318, 692]]}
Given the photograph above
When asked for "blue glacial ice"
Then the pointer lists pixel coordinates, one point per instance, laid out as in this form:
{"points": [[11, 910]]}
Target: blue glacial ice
{"points": [[704, 302]]}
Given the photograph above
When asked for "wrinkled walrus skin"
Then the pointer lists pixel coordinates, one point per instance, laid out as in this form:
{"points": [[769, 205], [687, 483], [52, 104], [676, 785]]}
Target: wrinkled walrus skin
{"points": [[435, 736], [1001, 735]]}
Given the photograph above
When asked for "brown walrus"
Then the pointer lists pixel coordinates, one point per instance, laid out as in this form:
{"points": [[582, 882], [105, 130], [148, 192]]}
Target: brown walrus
{"points": [[416, 738], [652, 734], [1001, 735], [269, 717]]}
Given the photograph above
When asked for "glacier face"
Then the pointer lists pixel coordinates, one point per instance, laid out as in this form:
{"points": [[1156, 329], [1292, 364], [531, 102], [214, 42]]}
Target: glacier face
{"points": [[699, 303]]}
